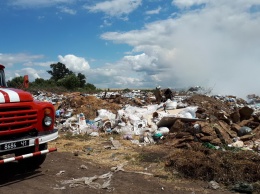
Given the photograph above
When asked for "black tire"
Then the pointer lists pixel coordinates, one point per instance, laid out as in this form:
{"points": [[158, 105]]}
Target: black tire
{"points": [[33, 162]]}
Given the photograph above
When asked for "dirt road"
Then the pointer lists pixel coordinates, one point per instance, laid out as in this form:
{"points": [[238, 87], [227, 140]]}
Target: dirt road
{"points": [[62, 166]]}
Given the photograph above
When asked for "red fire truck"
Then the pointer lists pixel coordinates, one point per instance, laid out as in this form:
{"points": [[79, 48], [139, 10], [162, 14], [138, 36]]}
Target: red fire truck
{"points": [[26, 126]]}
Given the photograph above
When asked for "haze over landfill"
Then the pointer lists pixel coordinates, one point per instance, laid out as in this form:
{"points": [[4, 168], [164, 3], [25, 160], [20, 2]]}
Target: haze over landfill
{"points": [[136, 44]]}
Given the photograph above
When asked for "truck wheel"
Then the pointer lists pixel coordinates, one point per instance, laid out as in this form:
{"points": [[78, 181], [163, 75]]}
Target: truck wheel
{"points": [[33, 162]]}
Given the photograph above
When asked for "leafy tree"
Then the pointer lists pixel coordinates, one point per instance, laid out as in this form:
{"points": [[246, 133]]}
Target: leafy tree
{"points": [[82, 79], [59, 71], [70, 82], [16, 82], [127, 90], [90, 86], [51, 82], [39, 81]]}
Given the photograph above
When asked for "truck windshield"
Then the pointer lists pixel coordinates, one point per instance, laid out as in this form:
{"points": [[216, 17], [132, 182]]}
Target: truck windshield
{"points": [[2, 78]]}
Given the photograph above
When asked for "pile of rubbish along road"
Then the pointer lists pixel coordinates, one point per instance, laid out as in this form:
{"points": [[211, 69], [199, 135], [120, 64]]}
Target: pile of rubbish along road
{"points": [[214, 120]]}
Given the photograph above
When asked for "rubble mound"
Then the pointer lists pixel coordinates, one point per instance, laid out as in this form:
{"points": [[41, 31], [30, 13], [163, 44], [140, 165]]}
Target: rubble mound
{"points": [[203, 163], [89, 105], [208, 105]]}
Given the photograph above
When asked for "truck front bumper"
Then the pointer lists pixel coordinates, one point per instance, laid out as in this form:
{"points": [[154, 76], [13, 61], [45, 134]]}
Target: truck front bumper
{"points": [[29, 155], [12, 146]]}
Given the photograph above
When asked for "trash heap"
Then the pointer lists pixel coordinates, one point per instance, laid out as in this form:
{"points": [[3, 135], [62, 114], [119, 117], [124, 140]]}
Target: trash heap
{"points": [[225, 124], [211, 120]]}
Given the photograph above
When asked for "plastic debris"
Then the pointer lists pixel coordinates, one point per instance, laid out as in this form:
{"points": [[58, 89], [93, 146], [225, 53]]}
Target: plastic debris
{"points": [[60, 173]]}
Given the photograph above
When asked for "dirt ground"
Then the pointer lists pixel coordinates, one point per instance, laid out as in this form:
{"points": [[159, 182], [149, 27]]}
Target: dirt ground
{"points": [[73, 161]]}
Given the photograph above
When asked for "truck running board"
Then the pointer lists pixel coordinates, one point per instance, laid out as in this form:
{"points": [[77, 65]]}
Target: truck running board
{"points": [[21, 157]]}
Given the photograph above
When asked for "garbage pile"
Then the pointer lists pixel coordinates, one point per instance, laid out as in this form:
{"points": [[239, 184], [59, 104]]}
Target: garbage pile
{"points": [[228, 122], [215, 120], [197, 121]]}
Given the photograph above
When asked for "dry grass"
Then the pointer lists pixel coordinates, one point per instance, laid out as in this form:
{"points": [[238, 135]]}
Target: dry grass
{"points": [[97, 150]]}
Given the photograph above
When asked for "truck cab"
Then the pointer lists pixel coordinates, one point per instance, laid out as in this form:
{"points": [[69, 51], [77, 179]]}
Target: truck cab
{"points": [[26, 126]]}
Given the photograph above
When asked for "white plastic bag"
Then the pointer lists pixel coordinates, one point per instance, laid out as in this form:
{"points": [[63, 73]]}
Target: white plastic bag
{"points": [[164, 130], [170, 105], [82, 121], [189, 112], [102, 113]]}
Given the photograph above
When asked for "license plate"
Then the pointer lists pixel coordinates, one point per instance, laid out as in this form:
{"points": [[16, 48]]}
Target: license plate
{"points": [[13, 145]]}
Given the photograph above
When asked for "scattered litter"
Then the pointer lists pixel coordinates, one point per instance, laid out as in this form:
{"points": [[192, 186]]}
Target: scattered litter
{"points": [[244, 130], [59, 188], [116, 144], [83, 167], [237, 143], [94, 182], [214, 185], [243, 188], [94, 134], [91, 182], [60, 173]]}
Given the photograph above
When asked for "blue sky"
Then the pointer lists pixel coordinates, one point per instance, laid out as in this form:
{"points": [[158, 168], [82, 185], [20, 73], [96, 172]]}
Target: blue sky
{"points": [[136, 43]]}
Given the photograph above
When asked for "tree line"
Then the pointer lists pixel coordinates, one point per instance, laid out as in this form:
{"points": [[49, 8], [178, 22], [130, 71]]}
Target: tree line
{"points": [[61, 77]]}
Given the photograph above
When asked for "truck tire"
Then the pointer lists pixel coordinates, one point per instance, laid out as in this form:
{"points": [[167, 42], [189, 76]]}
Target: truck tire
{"points": [[33, 162]]}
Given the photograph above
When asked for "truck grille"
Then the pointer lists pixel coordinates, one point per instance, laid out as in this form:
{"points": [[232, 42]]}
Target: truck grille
{"points": [[17, 118]]}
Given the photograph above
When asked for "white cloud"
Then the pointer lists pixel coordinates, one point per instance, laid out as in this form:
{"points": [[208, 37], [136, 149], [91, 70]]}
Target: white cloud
{"points": [[40, 64], [155, 11], [41, 17], [38, 3], [217, 45], [153, 34], [142, 63], [14, 65], [122, 81], [67, 10], [31, 72], [188, 3], [106, 23], [74, 63], [117, 75], [11, 59], [214, 45], [115, 7]]}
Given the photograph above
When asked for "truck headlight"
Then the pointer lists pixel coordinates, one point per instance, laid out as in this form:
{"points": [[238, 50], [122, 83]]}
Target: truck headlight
{"points": [[47, 121]]}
